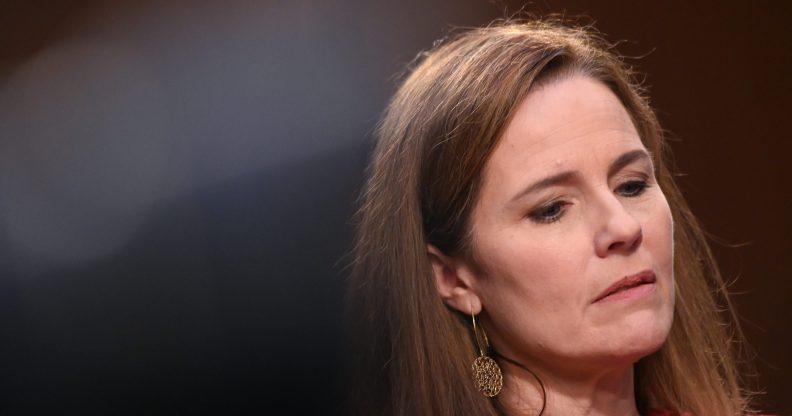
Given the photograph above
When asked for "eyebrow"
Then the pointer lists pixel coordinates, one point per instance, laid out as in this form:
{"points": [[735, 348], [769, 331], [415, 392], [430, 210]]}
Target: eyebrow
{"points": [[564, 177]]}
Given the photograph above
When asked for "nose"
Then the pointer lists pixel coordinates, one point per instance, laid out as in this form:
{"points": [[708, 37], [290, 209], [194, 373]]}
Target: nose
{"points": [[619, 231]]}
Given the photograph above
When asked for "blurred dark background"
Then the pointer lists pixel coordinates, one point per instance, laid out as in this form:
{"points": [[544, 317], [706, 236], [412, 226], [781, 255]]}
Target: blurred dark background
{"points": [[177, 181]]}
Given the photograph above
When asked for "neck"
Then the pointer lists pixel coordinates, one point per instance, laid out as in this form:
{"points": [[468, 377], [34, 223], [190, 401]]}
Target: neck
{"points": [[602, 394]]}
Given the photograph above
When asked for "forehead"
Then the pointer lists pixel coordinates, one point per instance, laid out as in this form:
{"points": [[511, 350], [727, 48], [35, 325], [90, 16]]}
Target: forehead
{"points": [[569, 123]]}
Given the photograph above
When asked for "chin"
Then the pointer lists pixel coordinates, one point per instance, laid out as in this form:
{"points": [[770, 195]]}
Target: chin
{"points": [[620, 348], [636, 335], [643, 338]]}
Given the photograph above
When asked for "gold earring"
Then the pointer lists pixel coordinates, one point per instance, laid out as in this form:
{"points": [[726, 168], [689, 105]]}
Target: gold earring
{"points": [[486, 373]]}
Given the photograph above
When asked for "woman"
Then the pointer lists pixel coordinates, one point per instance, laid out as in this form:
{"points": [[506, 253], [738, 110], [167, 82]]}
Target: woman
{"points": [[522, 247]]}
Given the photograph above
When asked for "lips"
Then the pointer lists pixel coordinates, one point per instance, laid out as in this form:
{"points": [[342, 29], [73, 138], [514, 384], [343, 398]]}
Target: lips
{"points": [[629, 282]]}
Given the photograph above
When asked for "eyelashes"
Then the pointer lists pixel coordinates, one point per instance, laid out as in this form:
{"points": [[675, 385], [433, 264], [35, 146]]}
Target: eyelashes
{"points": [[551, 212], [554, 210], [632, 188]]}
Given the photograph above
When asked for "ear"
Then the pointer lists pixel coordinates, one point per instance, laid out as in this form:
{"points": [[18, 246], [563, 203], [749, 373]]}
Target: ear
{"points": [[454, 282]]}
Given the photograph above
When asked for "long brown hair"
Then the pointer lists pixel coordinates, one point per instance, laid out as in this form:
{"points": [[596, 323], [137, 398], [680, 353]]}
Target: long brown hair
{"points": [[411, 353]]}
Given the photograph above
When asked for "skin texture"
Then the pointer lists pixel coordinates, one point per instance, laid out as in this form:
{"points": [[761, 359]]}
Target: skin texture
{"points": [[543, 257]]}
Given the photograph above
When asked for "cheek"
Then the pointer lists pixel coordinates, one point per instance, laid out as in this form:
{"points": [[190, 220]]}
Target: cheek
{"points": [[659, 241], [539, 272], [654, 215], [660, 233], [532, 292]]}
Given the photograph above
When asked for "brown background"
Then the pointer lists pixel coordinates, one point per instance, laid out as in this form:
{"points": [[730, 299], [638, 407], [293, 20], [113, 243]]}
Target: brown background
{"points": [[177, 178], [720, 79]]}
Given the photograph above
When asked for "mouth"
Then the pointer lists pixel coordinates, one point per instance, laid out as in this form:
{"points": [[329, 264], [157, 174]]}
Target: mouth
{"points": [[628, 287]]}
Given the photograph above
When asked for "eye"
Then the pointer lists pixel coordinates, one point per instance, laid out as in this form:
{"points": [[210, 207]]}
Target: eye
{"points": [[632, 188], [551, 212]]}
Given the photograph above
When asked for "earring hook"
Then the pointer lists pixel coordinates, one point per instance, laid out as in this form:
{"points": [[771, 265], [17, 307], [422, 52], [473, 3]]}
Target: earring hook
{"points": [[476, 334]]}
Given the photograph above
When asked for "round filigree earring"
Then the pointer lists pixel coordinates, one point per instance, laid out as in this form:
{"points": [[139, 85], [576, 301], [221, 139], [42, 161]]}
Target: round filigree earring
{"points": [[486, 372]]}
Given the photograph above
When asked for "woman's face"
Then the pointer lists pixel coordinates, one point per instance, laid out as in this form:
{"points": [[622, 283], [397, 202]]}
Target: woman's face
{"points": [[569, 206]]}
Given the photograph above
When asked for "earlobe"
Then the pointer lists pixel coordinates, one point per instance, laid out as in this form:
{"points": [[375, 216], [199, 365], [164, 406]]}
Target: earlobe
{"points": [[454, 282]]}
